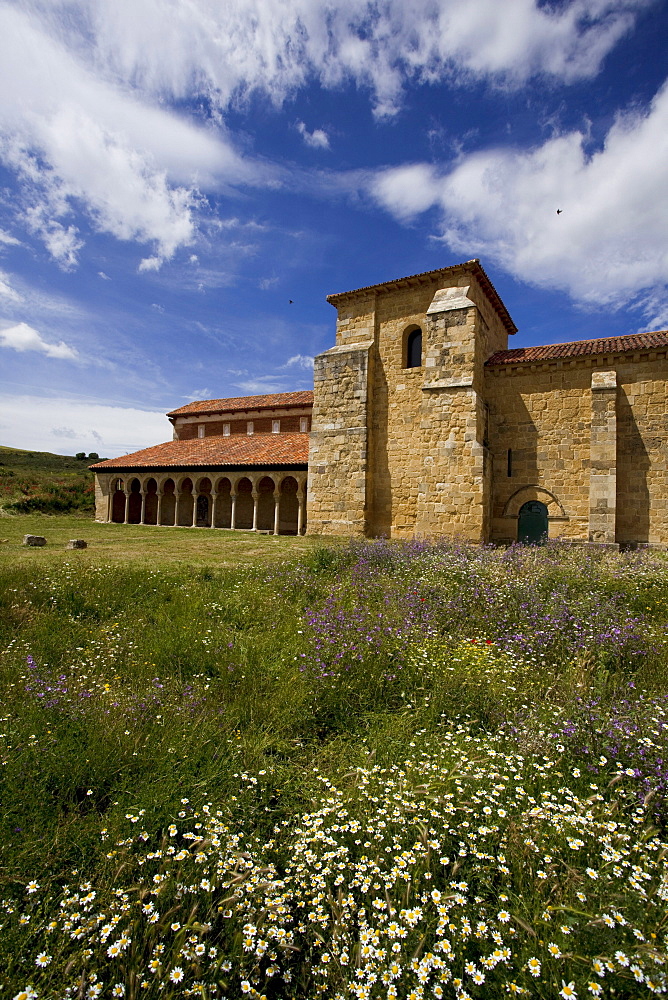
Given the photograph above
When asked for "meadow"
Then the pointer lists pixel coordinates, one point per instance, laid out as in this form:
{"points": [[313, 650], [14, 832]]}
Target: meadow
{"points": [[243, 766], [39, 481]]}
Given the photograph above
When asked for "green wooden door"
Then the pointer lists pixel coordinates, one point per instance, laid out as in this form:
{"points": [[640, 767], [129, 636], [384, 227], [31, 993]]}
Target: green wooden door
{"points": [[532, 523]]}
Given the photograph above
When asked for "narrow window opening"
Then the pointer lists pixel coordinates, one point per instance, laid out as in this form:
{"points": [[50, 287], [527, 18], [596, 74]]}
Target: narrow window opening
{"points": [[249, 427], [275, 426], [226, 430], [510, 462], [414, 349], [303, 424], [200, 431]]}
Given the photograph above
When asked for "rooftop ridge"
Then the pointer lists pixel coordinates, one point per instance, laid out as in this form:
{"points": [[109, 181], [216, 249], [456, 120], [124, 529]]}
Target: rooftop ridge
{"points": [[268, 401], [581, 348], [472, 265], [239, 449]]}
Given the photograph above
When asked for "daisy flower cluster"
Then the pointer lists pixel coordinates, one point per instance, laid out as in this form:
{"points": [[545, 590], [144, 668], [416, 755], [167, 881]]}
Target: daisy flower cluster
{"points": [[466, 869]]}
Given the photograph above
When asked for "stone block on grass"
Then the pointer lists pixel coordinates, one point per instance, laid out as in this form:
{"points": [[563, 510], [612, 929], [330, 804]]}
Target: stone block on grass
{"points": [[34, 540]]}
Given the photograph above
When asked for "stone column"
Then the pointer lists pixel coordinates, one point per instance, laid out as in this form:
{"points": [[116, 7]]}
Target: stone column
{"points": [[177, 497], [214, 504], [195, 499], [142, 516], [255, 500], [233, 512], [300, 511], [277, 510], [110, 505], [127, 507], [158, 514], [603, 457]]}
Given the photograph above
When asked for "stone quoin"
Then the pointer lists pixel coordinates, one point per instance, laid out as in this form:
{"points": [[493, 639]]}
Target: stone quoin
{"points": [[422, 423]]}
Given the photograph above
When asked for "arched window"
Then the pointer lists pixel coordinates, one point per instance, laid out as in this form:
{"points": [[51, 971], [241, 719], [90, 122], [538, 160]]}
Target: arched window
{"points": [[414, 348]]}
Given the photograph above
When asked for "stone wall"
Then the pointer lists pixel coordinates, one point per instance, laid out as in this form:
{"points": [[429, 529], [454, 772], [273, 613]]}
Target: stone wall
{"points": [[338, 448], [425, 427], [542, 414], [588, 438], [642, 449]]}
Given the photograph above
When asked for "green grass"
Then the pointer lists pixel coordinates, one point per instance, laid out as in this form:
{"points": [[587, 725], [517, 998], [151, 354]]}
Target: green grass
{"points": [[143, 543], [301, 746], [41, 481]]}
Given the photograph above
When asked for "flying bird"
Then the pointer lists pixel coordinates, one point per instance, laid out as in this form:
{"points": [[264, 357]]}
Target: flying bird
{"points": [[290, 302], [559, 211]]}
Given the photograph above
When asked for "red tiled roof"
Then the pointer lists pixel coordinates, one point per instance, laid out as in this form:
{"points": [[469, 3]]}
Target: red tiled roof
{"points": [[416, 279], [238, 449], [578, 348], [273, 401]]}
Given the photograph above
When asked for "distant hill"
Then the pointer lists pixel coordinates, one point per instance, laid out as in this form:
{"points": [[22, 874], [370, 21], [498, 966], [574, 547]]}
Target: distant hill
{"points": [[38, 481]]}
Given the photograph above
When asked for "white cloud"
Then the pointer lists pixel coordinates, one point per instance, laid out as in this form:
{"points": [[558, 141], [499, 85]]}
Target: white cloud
{"points": [[225, 51], [262, 384], [608, 247], [6, 290], [150, 264], [33, 422], [8, 240], [303, 361], [317, 139], [76, 140], [105, 277], [22, 337]]}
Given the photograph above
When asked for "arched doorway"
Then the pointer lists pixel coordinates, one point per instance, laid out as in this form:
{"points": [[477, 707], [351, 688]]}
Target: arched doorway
{"points": [[244, 506], [203, 502], [118, 503], [224, 504], [289, 506], [203, 510], [168, 510], [185, 514], [265, 504], [134, 505], [532, 523], [151, 503]]}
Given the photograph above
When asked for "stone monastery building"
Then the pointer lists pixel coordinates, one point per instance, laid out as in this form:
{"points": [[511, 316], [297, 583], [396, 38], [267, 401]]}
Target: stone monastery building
{"points": [[423, 423]]}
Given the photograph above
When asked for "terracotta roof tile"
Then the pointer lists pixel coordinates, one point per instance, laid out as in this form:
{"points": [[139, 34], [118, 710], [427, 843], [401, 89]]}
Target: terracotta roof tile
{"points": [[579, 348], [236, 450], [270, 402]]}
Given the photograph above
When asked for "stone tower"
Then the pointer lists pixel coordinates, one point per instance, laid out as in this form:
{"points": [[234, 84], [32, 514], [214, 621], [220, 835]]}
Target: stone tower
{"points": [[399, 431]]}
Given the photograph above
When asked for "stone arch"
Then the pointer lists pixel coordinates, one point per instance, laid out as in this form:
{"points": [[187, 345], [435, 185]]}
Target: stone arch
{"points": [[411, 347], [203, 502], [167, 508], [244, 504], [203, 485], [223, 490], [524, 494], [265, 503], [118, 502], [185, 503], [134, 505], [289, 506], [151, 501]]}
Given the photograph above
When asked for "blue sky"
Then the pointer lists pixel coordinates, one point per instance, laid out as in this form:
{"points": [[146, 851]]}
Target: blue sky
{"points": [[174, 172]]}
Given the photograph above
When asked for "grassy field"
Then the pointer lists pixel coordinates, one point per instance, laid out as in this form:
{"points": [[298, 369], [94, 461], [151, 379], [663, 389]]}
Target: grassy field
{"points": [[246, 766], [39, 481], [139, 543]]}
